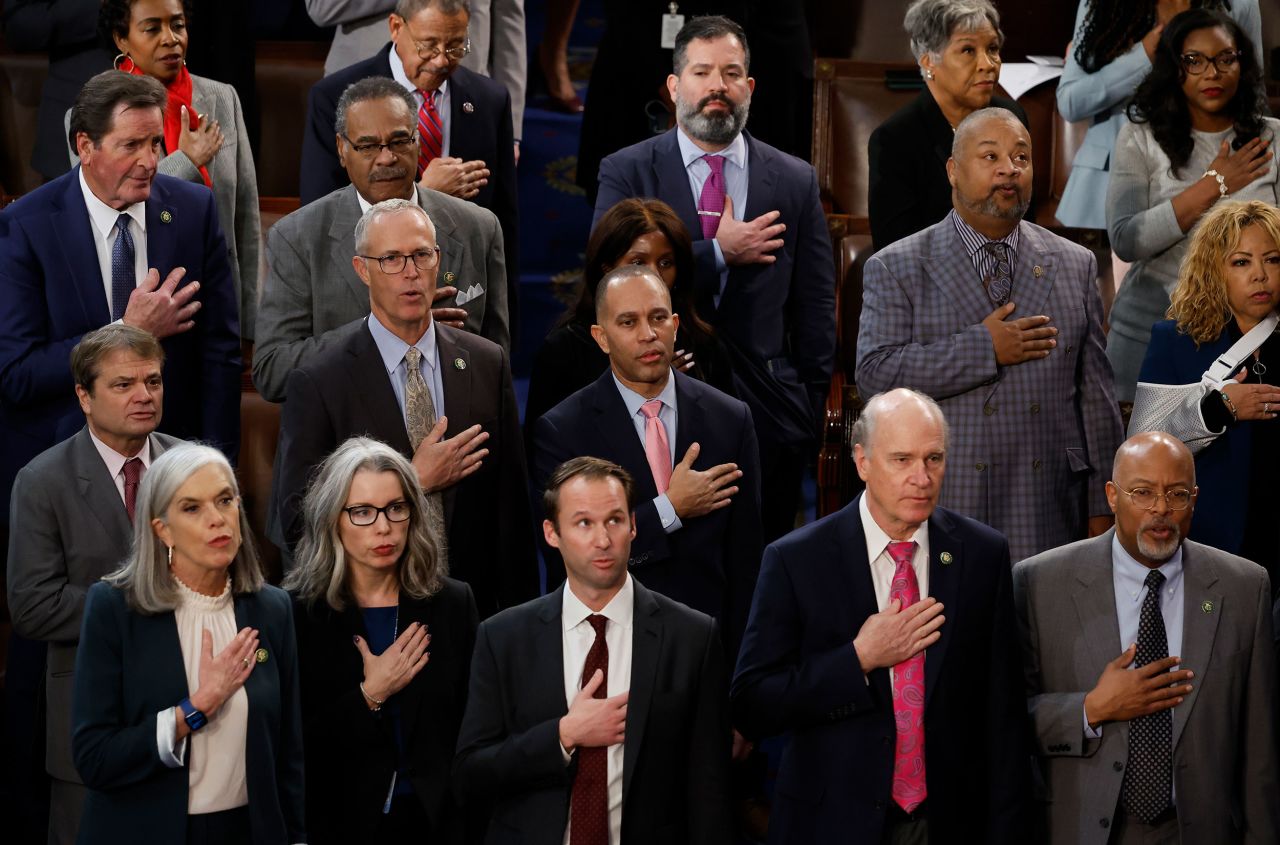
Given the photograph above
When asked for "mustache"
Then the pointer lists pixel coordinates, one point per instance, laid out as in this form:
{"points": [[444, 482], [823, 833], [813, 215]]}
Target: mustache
{"points": [[714, 98], [380, 174]]}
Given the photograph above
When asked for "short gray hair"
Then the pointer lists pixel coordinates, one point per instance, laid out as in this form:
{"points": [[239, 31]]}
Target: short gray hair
{"points": [[321, 571], [864, 430], [931, 23], [144, 576], [966, 128], [372, 88], [408, 8], [392, 206], [94, 110]]}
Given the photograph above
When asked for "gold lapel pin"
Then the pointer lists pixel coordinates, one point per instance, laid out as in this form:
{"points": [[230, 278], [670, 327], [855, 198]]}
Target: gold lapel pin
{"points": [[468, 108], [459, 364], [945, 557], [449, 277], [1037, 271], [1206, 606], [260, 655], [166, 217]]}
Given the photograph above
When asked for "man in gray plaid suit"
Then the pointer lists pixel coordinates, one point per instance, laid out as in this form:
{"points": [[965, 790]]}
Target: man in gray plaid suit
{"points": [[1000, 321]]}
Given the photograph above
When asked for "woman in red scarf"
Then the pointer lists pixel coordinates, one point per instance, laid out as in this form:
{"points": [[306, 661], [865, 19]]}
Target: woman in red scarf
{"points": [[204, 133]]}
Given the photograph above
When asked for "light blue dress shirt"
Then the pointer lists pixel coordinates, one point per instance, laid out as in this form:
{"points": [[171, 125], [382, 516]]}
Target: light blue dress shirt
{"points": [[735, 184], [669, 415], [392, 349]]}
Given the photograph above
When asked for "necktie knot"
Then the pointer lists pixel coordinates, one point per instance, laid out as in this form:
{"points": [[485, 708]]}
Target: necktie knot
{"points": [[1155, 580], [902, 553], [413, 358], [716, 163], [651, 408], [597, 621], [122, 223]]}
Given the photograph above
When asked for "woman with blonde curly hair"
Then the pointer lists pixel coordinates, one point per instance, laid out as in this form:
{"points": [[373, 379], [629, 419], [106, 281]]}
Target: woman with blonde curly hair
{"points": [[1229, 284]]}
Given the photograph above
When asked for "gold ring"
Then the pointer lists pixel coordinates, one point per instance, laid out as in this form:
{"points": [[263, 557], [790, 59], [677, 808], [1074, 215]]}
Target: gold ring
{"points": [[245, 663]]}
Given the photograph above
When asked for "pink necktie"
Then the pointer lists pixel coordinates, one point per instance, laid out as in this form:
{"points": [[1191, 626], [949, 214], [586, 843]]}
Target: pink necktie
{"points": [[656, 447], [908, 693], [711, 202], [430, 131], [132, 476]]}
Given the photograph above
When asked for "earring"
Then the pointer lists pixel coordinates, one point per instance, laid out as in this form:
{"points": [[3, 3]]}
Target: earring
{"points": [[928, 75], [170, 548], [120, 59]]}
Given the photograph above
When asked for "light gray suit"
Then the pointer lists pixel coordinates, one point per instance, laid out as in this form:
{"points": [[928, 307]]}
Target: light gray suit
{"points": [[69, 529], [1224, 733], [312, 288]]}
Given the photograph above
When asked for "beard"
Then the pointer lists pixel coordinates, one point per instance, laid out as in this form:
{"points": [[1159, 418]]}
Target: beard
{"points": [[989, 207], [712, 127], [1159, 552]]}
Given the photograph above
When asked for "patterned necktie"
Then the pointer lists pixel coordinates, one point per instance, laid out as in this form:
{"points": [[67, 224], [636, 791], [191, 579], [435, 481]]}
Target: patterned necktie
{"points": [[430, 131], [999, 282], [657, 449], [908, 693], [420, 418], [711, 201], [589, 802], [123, 279], [1148, 778], [132, 475]]}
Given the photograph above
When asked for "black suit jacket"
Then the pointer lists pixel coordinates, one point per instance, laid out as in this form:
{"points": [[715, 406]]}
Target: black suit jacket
{"points": [[128, 669], [907, 155], [351, 750], [711, 562], [798, 672], [345, 392], [676, 758]]}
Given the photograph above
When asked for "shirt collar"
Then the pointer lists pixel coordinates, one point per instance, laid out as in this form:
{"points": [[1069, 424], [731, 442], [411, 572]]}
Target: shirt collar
{"points": [[619, 610], [735, 153], [392, 348], [365, 205], [398, 74], [104, 217], [114, 460], [877, 539], [634, 400], [975, 240], [1131, 576]]}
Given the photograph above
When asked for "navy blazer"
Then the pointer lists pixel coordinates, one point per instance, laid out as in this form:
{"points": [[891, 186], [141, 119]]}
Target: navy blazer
{"points": [[712, 561], [798, 673], [675, 769], [778, 320], [129, 668], [52, 293]]}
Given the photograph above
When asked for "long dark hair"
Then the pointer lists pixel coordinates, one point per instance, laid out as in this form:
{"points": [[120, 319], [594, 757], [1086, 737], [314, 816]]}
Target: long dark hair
{"points": [[1160, 101], [1113, 26]]}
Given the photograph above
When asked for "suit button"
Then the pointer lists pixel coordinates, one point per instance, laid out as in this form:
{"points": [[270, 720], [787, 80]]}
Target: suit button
{"points": [[979, 466], [989, 409], [1118, 766], [1068, 352], [1035, 407], [1035, 464]]}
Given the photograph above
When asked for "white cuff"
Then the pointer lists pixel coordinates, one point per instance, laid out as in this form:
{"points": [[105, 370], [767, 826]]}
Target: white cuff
{"points": [[171, 752], [1089, 732], [667, 513]]}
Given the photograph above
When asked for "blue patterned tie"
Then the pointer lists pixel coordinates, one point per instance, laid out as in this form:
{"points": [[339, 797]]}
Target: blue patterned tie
{"points": [[999, 282], [123, 280]]}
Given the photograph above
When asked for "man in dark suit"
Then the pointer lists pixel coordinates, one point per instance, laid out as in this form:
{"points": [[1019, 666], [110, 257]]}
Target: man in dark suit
{"points": [[597, 714], [764, 270], [698, 521], [73, 506], [464, 119], [92, 247], [906, 725], [440, 396]]}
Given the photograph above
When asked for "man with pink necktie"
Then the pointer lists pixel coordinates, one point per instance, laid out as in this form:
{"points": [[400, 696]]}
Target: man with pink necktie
{"points": [[882, 640], [690, 448]]}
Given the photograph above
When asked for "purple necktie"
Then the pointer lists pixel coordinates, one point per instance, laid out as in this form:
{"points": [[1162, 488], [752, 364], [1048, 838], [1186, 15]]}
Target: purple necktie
{"points": [[711, 202]]}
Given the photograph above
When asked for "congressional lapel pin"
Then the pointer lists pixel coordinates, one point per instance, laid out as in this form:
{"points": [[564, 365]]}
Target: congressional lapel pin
{"points": [[449, 277], [166, 217], [1037, 271], [1206, 606], [468, 108], [945, 557], [459, 364], [260, 655]]}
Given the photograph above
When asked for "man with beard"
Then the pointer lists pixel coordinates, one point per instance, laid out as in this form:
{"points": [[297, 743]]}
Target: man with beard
{"points": [[764, 273], [1000, 321], [1150, 674]]}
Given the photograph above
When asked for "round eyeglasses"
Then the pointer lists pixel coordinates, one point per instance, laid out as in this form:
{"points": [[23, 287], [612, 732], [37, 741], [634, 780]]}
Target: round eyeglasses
{"points": [[1178, 499], [423, 259], [367, 514]]}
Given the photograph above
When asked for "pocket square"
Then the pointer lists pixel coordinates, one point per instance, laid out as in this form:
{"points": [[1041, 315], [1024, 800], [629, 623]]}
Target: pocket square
{"points": [[465, 296]]}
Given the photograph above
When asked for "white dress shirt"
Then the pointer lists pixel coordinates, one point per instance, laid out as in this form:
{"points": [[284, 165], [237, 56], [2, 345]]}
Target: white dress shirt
{"points": [[735, 184], [365, 205], [442, 99], [104, 217], [669, 415], [115, 461], [392, 349], [883, 566], [577, 639]]}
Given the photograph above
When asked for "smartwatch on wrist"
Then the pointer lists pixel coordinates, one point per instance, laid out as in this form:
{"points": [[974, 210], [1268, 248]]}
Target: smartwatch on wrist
{"points": [[194, 718]]}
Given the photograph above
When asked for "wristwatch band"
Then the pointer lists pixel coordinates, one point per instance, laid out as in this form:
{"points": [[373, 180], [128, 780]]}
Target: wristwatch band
{"points": [[194, 718]]}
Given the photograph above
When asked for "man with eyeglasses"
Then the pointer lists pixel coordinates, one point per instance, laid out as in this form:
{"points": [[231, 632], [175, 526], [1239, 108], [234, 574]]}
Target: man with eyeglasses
{"points": [[466, 145], [441, 397], [1150, 671], [311, 287]]}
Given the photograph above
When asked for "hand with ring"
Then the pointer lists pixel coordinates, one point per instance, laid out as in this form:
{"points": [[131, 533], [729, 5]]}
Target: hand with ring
{"points": [[223, 673], [1253, 401]]}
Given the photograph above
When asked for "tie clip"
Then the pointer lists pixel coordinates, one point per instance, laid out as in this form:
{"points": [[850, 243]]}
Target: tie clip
{"points": [[702, 213]]}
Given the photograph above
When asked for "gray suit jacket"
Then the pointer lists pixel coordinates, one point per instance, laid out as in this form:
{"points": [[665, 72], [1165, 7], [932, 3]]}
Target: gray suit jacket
{"points": [[312, 289], [69, 529], [1224, 733], [361, 28], [1031, 444], [498, 50]]}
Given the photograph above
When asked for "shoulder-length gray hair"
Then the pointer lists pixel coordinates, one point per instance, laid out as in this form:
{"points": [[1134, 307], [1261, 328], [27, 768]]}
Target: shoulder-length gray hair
{"points": [[144, 576], [320, 570], [931, 23]]}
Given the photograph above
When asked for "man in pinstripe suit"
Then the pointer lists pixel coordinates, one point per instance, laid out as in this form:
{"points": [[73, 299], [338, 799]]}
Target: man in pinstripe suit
{"points": [[1000, 321]]}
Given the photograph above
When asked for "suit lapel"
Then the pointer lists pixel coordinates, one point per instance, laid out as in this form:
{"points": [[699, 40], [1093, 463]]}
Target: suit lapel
{"points": [[689, 416], [99, 491], [625, 449], [946, 569], [462, 123], [161, 242], [646, 648], [1095, 601], [1199, 627], [761, 175], [342, 243], [369, 380], [1033, 277], [854, 582], [548, 656], [673, 182], [454, 362], [451, 270], [76, 237], [948, 267], [423, 687]]}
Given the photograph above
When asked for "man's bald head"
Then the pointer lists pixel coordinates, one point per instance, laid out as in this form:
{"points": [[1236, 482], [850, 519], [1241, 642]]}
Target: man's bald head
{"points": [[1152, 493], [972, 127], [621, 276], [1137, 456]]}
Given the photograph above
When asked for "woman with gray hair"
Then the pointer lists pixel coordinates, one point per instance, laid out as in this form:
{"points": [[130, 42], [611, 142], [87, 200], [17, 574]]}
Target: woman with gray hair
{"points": [[185, 715], [957, 44], [380, 711]]}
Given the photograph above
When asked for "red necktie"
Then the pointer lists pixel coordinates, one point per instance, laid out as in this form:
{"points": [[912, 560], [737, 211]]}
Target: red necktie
{"points": [[132, 475], [711, 201], [589, 802], [656, 446], [430, 131], [908, 693]]}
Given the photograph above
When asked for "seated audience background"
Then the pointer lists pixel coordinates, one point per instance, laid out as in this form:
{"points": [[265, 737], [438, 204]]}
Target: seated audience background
{"points": [[384, 651], [957, 43], [185, 713], [1230, 282], [1200, 112]]}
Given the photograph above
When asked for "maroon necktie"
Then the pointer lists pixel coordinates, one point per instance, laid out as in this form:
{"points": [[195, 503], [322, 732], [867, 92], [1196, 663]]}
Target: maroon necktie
{"points": [[589, 806], [430, 131], [132, 475], [908, 693]]}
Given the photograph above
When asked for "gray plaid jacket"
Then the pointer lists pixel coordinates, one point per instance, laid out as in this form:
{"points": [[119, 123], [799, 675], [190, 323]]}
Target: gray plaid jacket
{"points": [[1031, 444]]}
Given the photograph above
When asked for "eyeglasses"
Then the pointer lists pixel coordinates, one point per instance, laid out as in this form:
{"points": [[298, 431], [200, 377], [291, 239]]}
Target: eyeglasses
{"points": [[367, 514], [423, 259], [429, 49], [1196, 63], [398, 146], [1178, 499]]}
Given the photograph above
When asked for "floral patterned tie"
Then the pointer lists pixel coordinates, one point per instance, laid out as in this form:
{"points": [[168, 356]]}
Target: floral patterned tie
{"points": [[999, 283], [908, 693], [420, 418]]}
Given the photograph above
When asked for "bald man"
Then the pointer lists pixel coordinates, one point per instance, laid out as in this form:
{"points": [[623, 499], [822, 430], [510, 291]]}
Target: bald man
{"points": [[1150, 672], [1000, 321]]}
